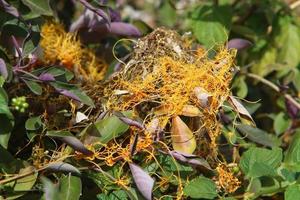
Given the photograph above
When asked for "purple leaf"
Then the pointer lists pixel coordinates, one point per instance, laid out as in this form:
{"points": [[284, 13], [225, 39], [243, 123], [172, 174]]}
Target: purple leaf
{"points": [[292, 110], [124, 29], [238, 44], [97, 11], [76, 144], [46, 77], [142, 180], [129, 121], [62, 167], [9, 8], [68, 94], [190, 159], [114, 15], [3, 69]]}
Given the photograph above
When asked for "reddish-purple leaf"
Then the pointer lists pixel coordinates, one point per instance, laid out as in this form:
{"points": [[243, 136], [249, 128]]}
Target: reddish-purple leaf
{"points": [[292, 110], [190, 159], [97, 11], [114, 15], [238, 44], [3, 69], [68, 94], [46, 77], [142, 180], [9, 8], [124, 29], [129, 121], [62, 167], [76, 144]]}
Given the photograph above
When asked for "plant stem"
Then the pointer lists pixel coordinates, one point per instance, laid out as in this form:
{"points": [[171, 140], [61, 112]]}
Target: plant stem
{"points": [[274, 87], [295, 4]]}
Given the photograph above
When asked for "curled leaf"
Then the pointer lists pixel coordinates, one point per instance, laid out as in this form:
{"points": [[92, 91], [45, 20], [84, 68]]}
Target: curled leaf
{"points": [[203, 96], [142, 180], [62, 167], [183, 139], [3, 69], [70, 140], [68, 94], [9, 8], [190, 159], [76, 145], [129, 121], [238, 43], [190, 111], [239, 108]]}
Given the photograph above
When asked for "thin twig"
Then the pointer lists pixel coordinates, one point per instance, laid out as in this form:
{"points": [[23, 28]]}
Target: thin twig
{"points": [[274, 87], [295, 5]]}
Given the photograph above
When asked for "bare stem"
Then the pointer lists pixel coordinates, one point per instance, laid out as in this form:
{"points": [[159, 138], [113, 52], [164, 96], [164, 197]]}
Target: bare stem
{"points": [[274, 87]]}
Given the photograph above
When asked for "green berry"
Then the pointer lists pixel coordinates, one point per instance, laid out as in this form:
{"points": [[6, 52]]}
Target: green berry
{"points": [[17, 107], [25, 105], [236, 169], [22, 110], [14, 100]]}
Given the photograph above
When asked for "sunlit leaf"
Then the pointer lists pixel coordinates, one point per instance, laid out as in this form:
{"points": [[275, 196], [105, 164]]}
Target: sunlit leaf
{"points": [[142, 180], [70, 187], [183, 139], [201, 187]]}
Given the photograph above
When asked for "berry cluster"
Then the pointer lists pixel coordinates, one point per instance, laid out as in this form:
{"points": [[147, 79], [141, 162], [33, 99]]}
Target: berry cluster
{"points": [[20, 104]]}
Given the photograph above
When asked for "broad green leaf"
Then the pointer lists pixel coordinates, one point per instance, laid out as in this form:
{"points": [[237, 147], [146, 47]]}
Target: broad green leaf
{"points": [[282, 50], [23, 184], [106, 129], [292, 192], [257, 162], [33, 123], [257, 135], [41, 7], [51, 191], [211, 24], [201, 187], [6, 119], [240, 86], [70, 187], [281, 123], [292, 156], [34, 87], [167, 14]]}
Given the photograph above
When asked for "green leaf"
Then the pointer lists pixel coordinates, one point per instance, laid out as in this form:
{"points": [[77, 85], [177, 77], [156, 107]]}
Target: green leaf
{"points": [[292, 192], [167, 14], [106, 129], [51, 191], [70, 187], [211, 24], [40, 7], [34, 87], [59, 133], [23, 184], [259, 136], [201, 187], [257, 162], [281, 52], [281, 123], [33, 123], [6, 119], [292, 156]]}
